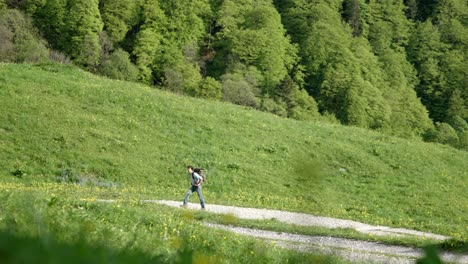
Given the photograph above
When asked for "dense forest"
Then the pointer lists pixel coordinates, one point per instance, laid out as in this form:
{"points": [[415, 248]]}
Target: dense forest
{"points": [[395, 66]]}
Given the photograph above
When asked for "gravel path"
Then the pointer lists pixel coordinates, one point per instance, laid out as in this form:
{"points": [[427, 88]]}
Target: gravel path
{"points": [[350, 249], [304, 219]]}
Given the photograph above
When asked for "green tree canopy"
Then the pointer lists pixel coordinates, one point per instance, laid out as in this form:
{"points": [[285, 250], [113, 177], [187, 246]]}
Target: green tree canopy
{"points": [[119, 16], [50, 19], [83, 25], [252, 34], [397, 66]]}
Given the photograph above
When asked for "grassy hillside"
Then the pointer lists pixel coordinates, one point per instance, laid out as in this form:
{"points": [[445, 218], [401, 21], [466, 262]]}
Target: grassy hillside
{"points": [[60, 122]]}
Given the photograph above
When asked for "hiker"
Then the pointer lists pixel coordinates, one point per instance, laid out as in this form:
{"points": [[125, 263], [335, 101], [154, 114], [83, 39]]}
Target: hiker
{"points": [[196, 180]]}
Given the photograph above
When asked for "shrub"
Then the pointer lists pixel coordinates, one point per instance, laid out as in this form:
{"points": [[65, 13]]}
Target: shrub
{"points": [[118, 66], [87, 52], [458, 123], [106, 44], [299, 104], [463, 140], [209, 88], [57, 56], [237, 90], [182, 78], [32, 50], [7, 47], [329, 118], [19, 40], [305, 107], [272, 106], [444, 134]]}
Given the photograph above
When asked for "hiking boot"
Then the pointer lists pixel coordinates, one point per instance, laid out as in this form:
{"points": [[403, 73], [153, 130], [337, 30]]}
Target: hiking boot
{"points": [[183, 205]]}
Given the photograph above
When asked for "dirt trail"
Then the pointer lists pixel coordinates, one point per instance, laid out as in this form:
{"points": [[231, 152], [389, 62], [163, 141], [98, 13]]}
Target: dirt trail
{"points": [[304, 219], [353, 250], [350, 249]]}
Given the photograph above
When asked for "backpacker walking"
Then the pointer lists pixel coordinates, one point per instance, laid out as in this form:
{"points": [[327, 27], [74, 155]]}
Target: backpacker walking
{"points": [[196, 180]]}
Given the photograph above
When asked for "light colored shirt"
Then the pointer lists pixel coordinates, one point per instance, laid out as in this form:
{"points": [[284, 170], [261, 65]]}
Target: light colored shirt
{"points": [[196, 179]]}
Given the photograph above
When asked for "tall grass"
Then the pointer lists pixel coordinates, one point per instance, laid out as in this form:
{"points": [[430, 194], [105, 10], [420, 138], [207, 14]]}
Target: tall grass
{"points": [[39, 228]]}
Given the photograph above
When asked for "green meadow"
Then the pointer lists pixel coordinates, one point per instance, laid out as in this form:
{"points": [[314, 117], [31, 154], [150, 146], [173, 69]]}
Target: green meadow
{"points": [[68, 137]]}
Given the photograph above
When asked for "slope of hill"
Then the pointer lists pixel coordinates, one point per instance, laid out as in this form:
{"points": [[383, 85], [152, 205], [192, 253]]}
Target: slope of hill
{"points": [[60, 122]]}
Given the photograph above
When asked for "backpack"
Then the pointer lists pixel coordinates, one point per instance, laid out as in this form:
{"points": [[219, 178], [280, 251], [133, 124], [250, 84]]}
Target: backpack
{"points": [[200, 172]]}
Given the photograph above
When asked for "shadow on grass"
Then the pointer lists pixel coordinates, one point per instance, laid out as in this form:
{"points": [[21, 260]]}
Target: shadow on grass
{"points": [[455, 245], [19, 249]]}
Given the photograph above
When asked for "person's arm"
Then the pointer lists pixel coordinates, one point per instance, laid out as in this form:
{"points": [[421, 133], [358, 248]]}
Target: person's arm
{"points": [[198, 179]]}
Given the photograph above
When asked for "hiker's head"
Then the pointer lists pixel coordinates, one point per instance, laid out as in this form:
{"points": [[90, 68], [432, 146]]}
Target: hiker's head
{"points": [[190, 169]]}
